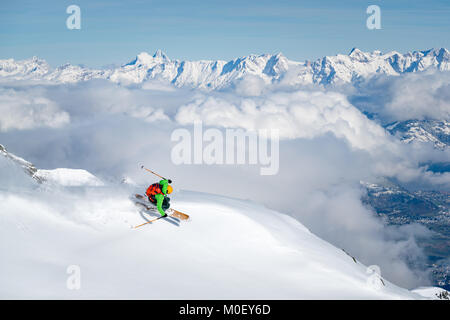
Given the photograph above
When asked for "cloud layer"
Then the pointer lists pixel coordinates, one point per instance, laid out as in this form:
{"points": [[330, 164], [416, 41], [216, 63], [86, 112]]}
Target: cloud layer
{"points": [[29, 109], [410, 96]]}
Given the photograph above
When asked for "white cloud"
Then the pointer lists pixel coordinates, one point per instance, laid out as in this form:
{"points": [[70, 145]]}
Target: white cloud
{"points": [[420, 97], [338, 215], [250, 85], [297, 114], [409, 96], [28, 109]]}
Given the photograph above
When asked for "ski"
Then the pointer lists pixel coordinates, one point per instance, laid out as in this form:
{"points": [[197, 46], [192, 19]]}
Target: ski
{"points": [[178, 214], [172, 212]]}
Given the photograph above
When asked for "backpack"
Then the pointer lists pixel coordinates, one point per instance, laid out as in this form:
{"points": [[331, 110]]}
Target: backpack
{"points": [[153, 190]]}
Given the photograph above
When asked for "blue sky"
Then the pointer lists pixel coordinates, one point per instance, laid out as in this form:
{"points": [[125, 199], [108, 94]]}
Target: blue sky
{"points": [[113, 32]]}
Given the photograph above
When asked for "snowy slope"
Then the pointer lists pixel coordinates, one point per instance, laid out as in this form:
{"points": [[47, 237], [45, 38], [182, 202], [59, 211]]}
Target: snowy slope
{"points": [[59, 176], [433, 293], [28, 167], [68, 177], [216, 74], [229, 249]]}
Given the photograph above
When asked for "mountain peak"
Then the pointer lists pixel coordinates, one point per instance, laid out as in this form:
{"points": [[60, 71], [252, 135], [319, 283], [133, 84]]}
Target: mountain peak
{"points": [[161, 55], [144, 58], [357, 54], [280, 55], [438, 52], [354, 51]]}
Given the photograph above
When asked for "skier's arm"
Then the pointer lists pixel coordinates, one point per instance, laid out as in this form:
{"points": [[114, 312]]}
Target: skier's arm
{"points": [[159, 200], [164, 183]]}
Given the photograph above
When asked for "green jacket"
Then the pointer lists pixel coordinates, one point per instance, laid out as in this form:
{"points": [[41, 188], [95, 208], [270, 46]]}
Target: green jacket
{"points": [[160, 197]]}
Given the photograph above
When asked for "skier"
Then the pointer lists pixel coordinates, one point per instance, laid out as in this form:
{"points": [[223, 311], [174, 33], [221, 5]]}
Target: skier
{"points": [[157, 194]]}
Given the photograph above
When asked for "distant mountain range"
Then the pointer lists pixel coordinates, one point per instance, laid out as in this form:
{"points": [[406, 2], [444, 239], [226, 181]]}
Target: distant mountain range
{"points": [[216, 74]]}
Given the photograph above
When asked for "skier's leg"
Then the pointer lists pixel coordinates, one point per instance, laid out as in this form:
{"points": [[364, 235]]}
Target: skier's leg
{"points": [[166, 203]]}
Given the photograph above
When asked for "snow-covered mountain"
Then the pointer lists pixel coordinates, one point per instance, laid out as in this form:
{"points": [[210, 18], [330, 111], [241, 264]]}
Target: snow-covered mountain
{"points": [[30, 68], [216, 74], [230, 249], [433, 131], [59, 176], [26, 166], [358, 65]]}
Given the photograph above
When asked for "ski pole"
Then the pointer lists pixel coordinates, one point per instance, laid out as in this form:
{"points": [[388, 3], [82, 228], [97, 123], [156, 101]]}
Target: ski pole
{"points": [[146, 223], [142, 167]]}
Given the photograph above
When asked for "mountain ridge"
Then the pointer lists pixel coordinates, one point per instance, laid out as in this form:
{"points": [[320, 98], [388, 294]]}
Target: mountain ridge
{"points": [[217, 74]]}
